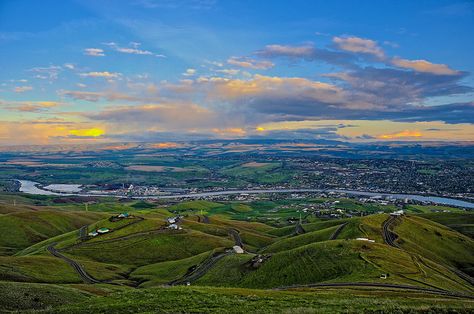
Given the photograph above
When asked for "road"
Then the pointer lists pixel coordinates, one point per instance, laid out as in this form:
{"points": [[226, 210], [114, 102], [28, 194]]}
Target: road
{"points": [[390, 238], [235, 234], [204, 267], [299, 229], [201, 269], [337, 231], [77, 267], [388, 235], [377, 285], [83, 233]]}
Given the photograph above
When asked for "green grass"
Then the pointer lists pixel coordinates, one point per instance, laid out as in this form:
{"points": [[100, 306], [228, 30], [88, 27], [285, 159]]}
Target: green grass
{"points": [[22, 229], [461, 222], [232, 300], [436, 242], [20, 297], [241, 208], [300, 240], [153, 248], [164, 272], [195, 206]]}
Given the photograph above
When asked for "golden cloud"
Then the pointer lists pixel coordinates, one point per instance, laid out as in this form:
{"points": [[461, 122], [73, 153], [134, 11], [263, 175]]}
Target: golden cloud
{"points": [[424, 66], [402, 134], [359, 45]]}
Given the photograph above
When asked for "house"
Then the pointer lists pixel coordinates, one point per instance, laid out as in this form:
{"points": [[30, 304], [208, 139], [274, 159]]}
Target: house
{"points": [[103, 230], [124, 215], [238, 249], [93, 234]]}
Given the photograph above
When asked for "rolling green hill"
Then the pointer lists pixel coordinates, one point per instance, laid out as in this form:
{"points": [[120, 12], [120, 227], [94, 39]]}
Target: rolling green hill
{"points": [[22, 229]]}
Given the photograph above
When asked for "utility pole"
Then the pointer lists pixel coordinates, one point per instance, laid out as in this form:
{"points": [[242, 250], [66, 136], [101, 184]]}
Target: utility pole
{"points": [[87, 208], [14, 202]]}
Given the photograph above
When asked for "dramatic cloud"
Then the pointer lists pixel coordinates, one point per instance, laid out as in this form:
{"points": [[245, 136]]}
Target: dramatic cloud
{"points": [[424, 66], [172, 116], [94, 52], [250, 63], [359, 45]]}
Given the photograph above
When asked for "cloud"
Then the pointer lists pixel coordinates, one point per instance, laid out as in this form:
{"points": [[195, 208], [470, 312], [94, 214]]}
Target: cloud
{"points": [[94, 52], [308, 53], [101, 74], [132, 50], [424, 66], [166, 116], [402, 134], [189, 72], [51, 72], [22, 89], [96, 96], [359, 45], [29, 106], [249, 63]]}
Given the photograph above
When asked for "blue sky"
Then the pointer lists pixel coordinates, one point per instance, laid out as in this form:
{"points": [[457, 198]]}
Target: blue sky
{"points": [[74, 71]]}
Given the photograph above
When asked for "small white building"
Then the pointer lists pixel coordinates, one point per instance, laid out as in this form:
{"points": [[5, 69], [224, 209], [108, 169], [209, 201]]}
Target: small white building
{"points": [[398, 213], [171, 220], [365, 239], [238, 249], [93, 234], [174, 227]]}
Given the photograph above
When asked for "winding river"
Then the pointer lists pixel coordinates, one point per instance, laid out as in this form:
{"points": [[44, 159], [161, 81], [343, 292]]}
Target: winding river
{"points": [[31, 187]]}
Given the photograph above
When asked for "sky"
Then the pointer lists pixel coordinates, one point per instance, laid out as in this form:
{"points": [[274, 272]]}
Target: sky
{"points": [[160, 70]]}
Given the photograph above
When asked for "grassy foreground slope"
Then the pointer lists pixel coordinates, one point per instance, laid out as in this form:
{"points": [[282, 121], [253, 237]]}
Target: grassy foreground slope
{"points": [[232, 300]]}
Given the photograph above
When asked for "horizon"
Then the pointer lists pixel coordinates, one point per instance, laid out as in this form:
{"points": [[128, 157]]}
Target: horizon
{"points": [[87, 72]]}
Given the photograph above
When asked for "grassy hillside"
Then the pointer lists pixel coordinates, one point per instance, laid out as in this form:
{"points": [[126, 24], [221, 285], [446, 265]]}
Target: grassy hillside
{"points": [[436, 242], [164, 272], [22, 229], [331, 261], [300, 240], [152, 248], [461, 222]]}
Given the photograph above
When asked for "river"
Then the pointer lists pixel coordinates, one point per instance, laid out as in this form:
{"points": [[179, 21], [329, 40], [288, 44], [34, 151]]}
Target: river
{"points": [[31, 187]]}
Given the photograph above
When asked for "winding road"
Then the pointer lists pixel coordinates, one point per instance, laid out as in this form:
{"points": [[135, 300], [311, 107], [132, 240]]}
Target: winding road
{"points": [[337, 231], [77, 267]]}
